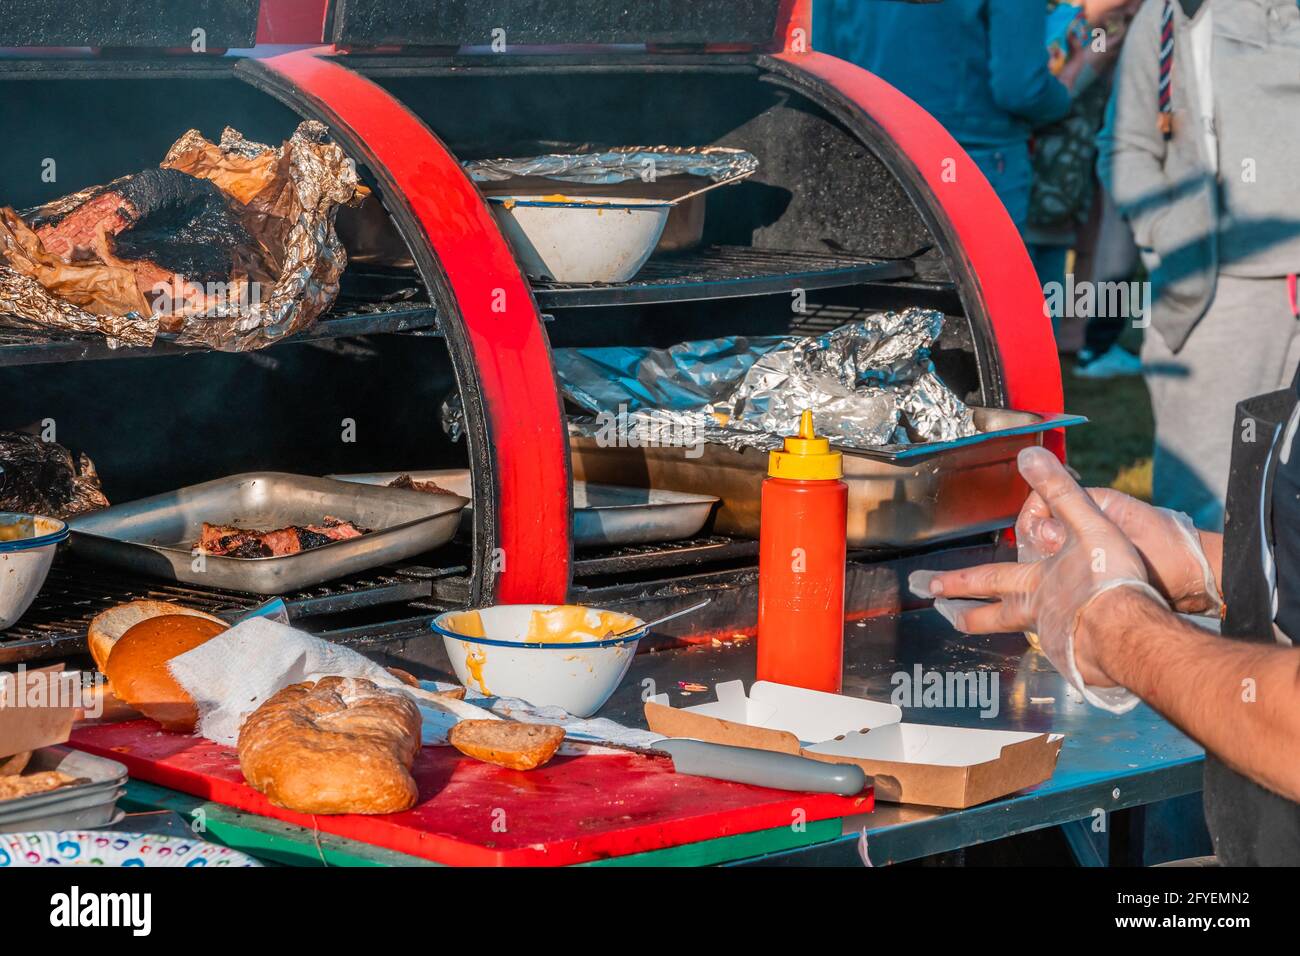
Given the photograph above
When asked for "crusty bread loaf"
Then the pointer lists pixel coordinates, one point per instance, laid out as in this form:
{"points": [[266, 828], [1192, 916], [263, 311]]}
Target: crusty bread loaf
{"points": [[137, 667], [507, 743], [107, 627], [339, 745]]}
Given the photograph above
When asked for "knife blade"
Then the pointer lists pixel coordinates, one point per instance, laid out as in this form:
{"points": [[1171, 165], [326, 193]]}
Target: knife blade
{"points": [[759, 768]]}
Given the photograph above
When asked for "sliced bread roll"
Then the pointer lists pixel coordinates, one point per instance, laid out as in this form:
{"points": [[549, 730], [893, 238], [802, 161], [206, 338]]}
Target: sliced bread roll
{"points": [[107, 627], [140, 673], [507, 743]]}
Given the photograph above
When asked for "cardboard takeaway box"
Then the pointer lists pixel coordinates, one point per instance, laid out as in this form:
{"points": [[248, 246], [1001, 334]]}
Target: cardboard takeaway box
{"points": [[24, 727], [951, 767]]}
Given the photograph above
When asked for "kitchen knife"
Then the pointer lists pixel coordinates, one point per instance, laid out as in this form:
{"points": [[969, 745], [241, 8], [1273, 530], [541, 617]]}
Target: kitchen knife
{"points": [[759, 768], [696, 758]]}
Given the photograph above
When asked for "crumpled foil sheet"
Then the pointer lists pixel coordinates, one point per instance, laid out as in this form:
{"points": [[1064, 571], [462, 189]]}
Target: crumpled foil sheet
{"points": [[869, 383], [287, 196], [451, 415], [684, 377], [620, 165], [25, 304]]}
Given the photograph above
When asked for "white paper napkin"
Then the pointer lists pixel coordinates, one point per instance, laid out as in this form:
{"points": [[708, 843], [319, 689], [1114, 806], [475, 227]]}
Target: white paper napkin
{"points": [[232, 674]]}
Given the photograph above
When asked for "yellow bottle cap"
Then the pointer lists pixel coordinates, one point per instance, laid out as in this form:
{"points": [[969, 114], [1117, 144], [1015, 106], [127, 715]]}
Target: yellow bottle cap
{"points": [[806, 457]]}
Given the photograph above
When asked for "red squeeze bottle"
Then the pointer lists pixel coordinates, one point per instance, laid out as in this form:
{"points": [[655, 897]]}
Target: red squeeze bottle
{"points": [[801, 554]]}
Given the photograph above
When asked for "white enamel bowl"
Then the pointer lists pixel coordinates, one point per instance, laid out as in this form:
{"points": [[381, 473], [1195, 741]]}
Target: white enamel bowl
{"points": [[582, 240], [576, 677], [24, 563]]}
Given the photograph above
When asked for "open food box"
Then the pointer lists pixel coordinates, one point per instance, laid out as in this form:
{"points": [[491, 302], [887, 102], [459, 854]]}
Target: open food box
{"points": [[953, 767], [29, 718]]}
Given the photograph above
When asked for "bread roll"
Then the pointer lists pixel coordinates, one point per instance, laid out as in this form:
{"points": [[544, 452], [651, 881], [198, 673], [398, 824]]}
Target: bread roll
{"points": [[107, 627], [340, 745], [507, 743], [137, 667]]}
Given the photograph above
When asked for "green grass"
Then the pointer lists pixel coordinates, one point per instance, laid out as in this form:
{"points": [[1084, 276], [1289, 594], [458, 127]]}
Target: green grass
{"points": [[1114, 448]]}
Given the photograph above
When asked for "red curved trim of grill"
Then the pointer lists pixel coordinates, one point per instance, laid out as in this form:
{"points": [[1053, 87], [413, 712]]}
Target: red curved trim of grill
{"points": [[509, 349], [980, 229], [793, 27]]}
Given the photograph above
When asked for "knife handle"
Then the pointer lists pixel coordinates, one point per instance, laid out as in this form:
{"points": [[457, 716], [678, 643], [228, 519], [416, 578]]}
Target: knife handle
{"points": [[762, 768]]}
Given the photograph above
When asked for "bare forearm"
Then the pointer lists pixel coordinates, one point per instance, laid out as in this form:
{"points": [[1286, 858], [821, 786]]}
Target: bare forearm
{"points": [[1240, 701]]}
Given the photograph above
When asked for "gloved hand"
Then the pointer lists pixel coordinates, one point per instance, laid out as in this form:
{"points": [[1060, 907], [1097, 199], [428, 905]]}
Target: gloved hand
{"points": [[1047, 592], [1167, 540]]}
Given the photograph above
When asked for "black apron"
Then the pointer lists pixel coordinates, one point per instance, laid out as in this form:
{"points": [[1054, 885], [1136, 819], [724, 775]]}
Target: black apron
{"points": [[1252, 826]]}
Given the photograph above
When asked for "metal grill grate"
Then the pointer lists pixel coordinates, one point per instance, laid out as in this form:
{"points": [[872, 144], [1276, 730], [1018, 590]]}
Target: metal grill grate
{"points": [[708, 549], [22, 346], [719, 272], [75, 591]]}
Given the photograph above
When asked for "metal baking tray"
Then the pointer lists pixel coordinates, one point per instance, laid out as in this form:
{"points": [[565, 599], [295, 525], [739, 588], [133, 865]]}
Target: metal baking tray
{"points": [[91, 818], [603, 515], [100, 805], [155, 535], [104, 781], [899, 496]]}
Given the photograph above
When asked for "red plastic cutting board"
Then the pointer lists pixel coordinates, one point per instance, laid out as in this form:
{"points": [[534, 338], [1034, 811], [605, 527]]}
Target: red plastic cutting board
{"points": [[470, 813]]}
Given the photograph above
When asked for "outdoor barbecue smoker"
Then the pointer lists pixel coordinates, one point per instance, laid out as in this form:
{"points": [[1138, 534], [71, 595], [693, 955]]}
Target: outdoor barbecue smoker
{"points": [[860, 203]]}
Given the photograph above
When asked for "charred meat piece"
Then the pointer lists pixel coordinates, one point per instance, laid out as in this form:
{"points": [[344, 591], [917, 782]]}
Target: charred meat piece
{"points": [[73, 237], [180, 224], [336, 529], [428, 487], [42, 477], [231, 542], [180, 237]]}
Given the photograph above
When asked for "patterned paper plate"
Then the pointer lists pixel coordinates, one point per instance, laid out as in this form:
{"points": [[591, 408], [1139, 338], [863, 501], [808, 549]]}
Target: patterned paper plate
{"points": [[104, 848]]}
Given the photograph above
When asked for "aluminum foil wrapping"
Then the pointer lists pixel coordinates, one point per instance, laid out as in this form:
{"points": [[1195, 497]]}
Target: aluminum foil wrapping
{"points": [[869, 383], [690, 376], [24, 303], [451, 415], [285, 197], [620, 165]]}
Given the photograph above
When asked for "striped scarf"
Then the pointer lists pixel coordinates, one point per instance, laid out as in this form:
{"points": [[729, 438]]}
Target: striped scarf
{"points": [[1166, 118]]}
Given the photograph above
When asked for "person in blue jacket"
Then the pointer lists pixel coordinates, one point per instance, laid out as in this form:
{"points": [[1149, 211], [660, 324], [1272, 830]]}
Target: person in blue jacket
{"points": [[978, 66]]}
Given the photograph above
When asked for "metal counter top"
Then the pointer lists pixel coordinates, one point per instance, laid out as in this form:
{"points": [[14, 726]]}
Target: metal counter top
{"points": [[1108, 762]]}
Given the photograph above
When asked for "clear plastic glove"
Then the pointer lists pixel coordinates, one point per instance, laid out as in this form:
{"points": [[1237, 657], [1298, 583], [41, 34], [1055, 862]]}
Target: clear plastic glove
{"points": [[1046, 592], [1167, 540]]}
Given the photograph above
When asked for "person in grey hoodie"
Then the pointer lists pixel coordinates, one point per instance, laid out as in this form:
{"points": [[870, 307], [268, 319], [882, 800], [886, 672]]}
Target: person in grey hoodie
{"points": [[1200, 151]]}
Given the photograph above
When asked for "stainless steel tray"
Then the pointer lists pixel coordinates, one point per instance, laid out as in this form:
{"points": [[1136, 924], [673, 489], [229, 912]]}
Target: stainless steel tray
{"points": [[898, 496], [155, 535], [89, 801], [104, 781], [603, 515], [91, 818]]}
